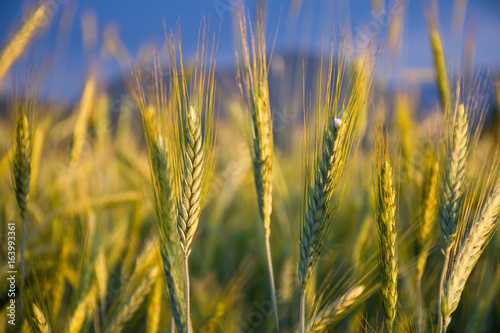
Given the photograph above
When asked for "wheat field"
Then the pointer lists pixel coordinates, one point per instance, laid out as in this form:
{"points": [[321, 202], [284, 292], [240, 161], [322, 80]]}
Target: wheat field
{"points": [[192, 203]]}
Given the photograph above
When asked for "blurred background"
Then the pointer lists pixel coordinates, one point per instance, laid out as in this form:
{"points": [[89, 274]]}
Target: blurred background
{"points": [[81, 34]]}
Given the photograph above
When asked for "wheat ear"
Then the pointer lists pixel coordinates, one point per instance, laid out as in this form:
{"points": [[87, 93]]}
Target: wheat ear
{"points": [[440, 66], [454, 175], [84, 308], [192, 186], [467, 254], [453, 184], [319, 200], [257, 94], [154, 308], [427, 210], [426, 216], [134, 302], [386, 222], [41, 320], [336, 310], [82, 120], [17, 45], [162, 164]]}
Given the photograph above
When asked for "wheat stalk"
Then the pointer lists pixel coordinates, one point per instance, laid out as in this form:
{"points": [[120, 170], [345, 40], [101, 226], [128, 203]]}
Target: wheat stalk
{"points": [[469, 249], [335, 310]]}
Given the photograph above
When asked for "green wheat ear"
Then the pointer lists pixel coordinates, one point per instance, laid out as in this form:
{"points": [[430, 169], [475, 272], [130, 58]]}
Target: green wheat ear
{"points": [[454, 175], [255, 91], [163, 163], [385, 211], [386, 222], [190, 204], [427, 208], [468, 251], [24, 109]]}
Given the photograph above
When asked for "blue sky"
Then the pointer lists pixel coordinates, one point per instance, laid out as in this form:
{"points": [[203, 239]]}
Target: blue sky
{"points": [[63, 62]]}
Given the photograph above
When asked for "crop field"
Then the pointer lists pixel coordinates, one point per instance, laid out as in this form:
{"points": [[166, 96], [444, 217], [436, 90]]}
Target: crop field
{"points": [[228, 184]]}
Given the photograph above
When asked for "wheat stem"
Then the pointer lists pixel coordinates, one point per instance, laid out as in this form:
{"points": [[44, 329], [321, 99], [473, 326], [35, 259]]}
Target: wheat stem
{"points": [[302, 322]]}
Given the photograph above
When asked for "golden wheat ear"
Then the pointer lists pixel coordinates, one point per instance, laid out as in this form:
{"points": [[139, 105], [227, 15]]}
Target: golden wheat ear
{"points": [[160, 129], [385, 210], [255, 92]]}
